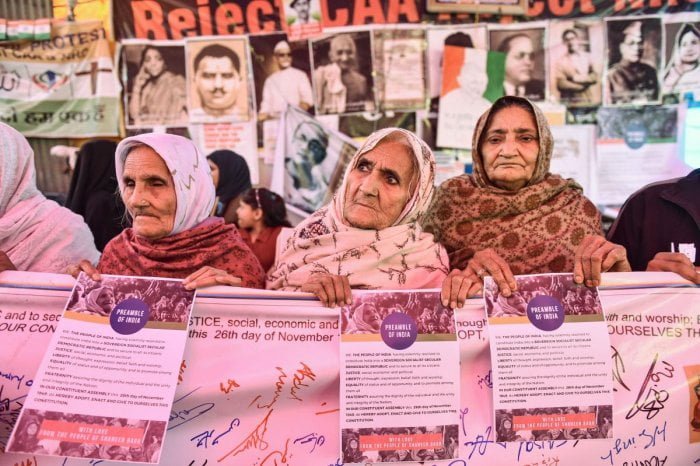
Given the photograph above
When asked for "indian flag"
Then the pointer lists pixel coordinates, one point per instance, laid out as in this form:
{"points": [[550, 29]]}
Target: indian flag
{"points": [[472, 80]]}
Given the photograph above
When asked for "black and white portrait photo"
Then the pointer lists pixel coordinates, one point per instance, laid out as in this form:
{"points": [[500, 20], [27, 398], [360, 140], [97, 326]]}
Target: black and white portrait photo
{"points": [[525, 61], [343, 73], [633, 60], [155, 84], [682, 71]]}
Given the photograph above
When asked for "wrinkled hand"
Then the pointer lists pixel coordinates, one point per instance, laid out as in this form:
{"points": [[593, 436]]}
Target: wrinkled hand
{"points": [[84, 266], [674, 262], [210, 276], [5, 262], [331, 290], [488, 262], [595, 255], [458, 286]]}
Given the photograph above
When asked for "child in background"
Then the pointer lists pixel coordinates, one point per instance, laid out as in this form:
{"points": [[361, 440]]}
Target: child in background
{"points": [[261, 217]]}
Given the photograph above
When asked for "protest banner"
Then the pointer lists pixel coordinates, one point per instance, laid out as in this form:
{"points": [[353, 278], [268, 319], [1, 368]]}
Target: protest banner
{"points": [[259, 380], [65, 86]]}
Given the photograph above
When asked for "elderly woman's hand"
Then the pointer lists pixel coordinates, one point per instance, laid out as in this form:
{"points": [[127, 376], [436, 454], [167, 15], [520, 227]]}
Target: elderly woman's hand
{"points": [[210, 276], [331, 290], [458, 286], [488, 262], [84, 266], [674, 262], [595, 255], [5, 262]]}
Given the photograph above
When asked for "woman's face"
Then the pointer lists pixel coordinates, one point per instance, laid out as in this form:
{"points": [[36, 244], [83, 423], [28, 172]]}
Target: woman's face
{"points": [[153, 62], [149, 193], [247, 216], [106, 299], [689, 48], [507, 424], [509, 148], [214, 172], [379, 186], [371, 316], [32, 428], [354, 444]]}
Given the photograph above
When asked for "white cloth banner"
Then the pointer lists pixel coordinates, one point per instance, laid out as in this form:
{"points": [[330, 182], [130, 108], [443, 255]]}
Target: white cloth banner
{"points": [[259, 381]]}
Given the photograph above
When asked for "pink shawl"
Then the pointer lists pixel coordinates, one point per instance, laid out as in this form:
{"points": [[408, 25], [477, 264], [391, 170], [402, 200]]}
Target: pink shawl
{"points": [[37, 234], [401, 256]]}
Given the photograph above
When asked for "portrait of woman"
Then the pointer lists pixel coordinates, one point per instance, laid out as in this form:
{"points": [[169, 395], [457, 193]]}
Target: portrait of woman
{"points": [[682, 72], [158, 93]]}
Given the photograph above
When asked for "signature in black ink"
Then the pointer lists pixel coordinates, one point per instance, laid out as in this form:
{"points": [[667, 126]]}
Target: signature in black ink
{"points": [[179, 417], [651, 400], [618, 369]]}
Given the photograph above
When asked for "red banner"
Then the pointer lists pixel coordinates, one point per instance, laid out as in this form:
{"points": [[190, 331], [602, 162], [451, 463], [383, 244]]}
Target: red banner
{"points": [[176, 19]]}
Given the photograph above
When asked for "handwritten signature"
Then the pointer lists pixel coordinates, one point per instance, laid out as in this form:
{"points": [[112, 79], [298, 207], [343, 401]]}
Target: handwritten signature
{"points": [[618, 369], [179, 417], [256, 439], [314, 438], [651, 400], [202, 439]]}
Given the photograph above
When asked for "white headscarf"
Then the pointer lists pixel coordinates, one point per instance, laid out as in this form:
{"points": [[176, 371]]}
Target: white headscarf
{"points": [[37, 234], [401, 256], [194, 187]]}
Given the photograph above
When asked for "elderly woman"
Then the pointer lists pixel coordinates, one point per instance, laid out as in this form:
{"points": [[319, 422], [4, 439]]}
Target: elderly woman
{"points": [[36, 234], [512, 216], [168, 192], [368, 236]]}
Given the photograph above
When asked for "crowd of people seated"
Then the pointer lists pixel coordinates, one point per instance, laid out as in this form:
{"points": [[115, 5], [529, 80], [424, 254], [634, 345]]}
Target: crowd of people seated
{"points": [[387, 226]]}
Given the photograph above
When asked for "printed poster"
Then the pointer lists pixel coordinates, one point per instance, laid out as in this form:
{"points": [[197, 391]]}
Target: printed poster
{"points": [[550, 359], [398, 378], [635, 147], [310, 160], [400, 68], [301, 18], [682, 45], [62, 87], [472, 80], [107, 380], [238, 137], [438, 37]]}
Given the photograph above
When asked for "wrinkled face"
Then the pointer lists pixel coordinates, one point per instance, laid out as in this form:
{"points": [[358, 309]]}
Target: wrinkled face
{"points": [[247, 215], [149, 193], [519, 61], [217, 83], [371, 316], [689, 49], [343, 53], [153, 62], [214, 173], [106, 299], [509, 148], [379, 186], [632, 47], [283, 57]]}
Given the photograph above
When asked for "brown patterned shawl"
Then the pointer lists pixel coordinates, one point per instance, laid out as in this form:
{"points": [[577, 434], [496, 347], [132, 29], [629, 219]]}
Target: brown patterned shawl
{"points": [[535, 229]]}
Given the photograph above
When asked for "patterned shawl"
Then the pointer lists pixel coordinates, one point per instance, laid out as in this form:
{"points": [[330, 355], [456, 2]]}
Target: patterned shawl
{"points": [[398, 257], [535, 229], [196, 240], [37, 234]]}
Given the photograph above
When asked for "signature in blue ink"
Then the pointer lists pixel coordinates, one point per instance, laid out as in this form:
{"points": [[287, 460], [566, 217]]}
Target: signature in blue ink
{"points": [[531, 445], [481, 443], [650, 400], [202, 439], [650, 437], [462, 417], [16, 378], [179, 417], [317, 440], [91, 463]]}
